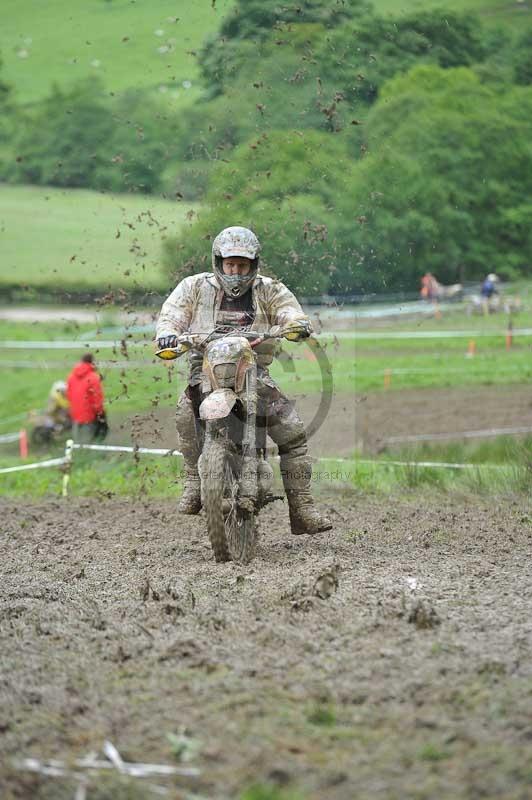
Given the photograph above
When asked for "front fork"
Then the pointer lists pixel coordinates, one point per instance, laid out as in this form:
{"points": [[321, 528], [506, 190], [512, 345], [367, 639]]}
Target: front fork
{"points": [[241, 432], [248, 479]]}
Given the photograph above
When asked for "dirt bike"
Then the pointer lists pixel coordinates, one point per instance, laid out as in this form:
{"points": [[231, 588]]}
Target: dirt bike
{"points": [[45, 431], [236, 478]]}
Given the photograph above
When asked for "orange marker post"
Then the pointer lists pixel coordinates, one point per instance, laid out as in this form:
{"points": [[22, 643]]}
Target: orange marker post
{"points": [[23, 444], [509, 335], [471, 348], [387, 378]]}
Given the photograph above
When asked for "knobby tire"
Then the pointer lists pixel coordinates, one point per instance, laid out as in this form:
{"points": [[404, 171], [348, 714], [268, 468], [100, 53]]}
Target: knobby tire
{"points": [[213, 495]]}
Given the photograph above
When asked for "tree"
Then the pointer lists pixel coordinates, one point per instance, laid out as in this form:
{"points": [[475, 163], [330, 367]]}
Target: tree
{"points": [[279, 66], [286, 187], [359, 57], [252, 22], [79, 138], [523, 59], [446, 182]]}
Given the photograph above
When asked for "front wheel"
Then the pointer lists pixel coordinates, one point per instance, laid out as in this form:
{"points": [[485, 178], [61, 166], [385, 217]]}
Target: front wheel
{"points": [[212, 490], [232, 529], [41, 435], [242, 534]]}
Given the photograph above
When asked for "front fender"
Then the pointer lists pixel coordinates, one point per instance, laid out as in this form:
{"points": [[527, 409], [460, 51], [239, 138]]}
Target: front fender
{"points": [[218, 404]]}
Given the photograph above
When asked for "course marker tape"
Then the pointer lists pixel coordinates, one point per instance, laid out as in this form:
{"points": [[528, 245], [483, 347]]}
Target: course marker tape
{"points": [[51, 462], [5, 438], [444, 464], [66, 460], [21, 436], [125, 449], [429, 334], [106, 344], [425, 437]]}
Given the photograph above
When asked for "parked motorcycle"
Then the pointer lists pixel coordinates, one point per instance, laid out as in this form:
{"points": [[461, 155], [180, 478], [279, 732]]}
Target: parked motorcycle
{"points": [[236, 478]]}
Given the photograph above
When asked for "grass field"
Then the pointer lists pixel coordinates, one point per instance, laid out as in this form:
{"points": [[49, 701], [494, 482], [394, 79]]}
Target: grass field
{"points": [[502, 466], [505, 12], [76, 239], [346, 365], [125, 43], [144, 44]]}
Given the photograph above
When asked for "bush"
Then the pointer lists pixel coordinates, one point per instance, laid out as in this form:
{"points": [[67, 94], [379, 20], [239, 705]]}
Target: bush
{"points": [[78, 138]]}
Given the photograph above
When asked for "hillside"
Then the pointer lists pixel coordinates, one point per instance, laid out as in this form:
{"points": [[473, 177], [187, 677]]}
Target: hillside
{"points": [[506, 12], [80, 239], [145, 44], [125, 43]]}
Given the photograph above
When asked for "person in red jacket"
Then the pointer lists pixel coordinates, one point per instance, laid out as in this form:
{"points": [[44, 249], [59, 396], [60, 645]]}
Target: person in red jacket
{"points": [[85, 395]]}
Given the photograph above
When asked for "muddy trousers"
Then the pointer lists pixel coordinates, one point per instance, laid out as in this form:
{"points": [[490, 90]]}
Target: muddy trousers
{"points": [[286, 429]]}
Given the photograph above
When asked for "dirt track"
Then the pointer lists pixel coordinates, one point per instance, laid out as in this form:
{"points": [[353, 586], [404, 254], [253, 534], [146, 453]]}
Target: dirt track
{"points": [[413, 679]]}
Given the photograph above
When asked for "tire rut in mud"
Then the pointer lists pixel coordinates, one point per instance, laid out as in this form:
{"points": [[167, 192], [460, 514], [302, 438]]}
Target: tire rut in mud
{"points": [[389, 655]]}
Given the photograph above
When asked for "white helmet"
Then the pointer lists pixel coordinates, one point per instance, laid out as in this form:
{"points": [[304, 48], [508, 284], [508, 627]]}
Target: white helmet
{"points": [[59, 386], [235, 241]]}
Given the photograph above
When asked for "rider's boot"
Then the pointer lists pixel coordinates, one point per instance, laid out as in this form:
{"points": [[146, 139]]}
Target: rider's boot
{"points": [[190, 502], [304, 516]]}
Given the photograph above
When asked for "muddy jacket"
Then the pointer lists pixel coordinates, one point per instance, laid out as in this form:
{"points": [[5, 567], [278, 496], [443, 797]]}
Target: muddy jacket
{"points": [[194, 304], [84, 392]]}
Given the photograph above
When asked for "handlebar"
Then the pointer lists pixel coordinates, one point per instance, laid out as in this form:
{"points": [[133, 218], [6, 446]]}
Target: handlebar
{"points": [[188, 341]]}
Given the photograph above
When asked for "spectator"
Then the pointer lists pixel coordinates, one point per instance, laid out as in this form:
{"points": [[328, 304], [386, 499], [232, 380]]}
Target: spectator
{"points": [[489, 293], [58, 407], [430, 288], [85, 394]]}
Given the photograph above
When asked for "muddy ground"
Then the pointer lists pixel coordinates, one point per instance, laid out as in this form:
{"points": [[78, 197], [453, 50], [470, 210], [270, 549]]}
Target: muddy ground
{"points": [[366, 421], [410, 678]]}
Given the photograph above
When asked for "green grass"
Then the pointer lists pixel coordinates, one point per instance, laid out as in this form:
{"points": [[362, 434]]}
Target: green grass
{"points": [[75, 239], [360, 366], [322, 714], [456, 318], [268, 792], [140, 382], [116, 39], [95, 474], [68, 40], [127, 389], [505, 12], [441, 368]]}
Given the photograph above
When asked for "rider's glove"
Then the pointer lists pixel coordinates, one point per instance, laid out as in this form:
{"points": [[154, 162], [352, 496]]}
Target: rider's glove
{"points": [[297, 330], [165, 342]]}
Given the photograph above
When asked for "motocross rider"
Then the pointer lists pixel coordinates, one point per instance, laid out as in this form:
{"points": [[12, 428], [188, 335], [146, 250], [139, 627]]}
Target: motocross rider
{"points": [[235, 294]]}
